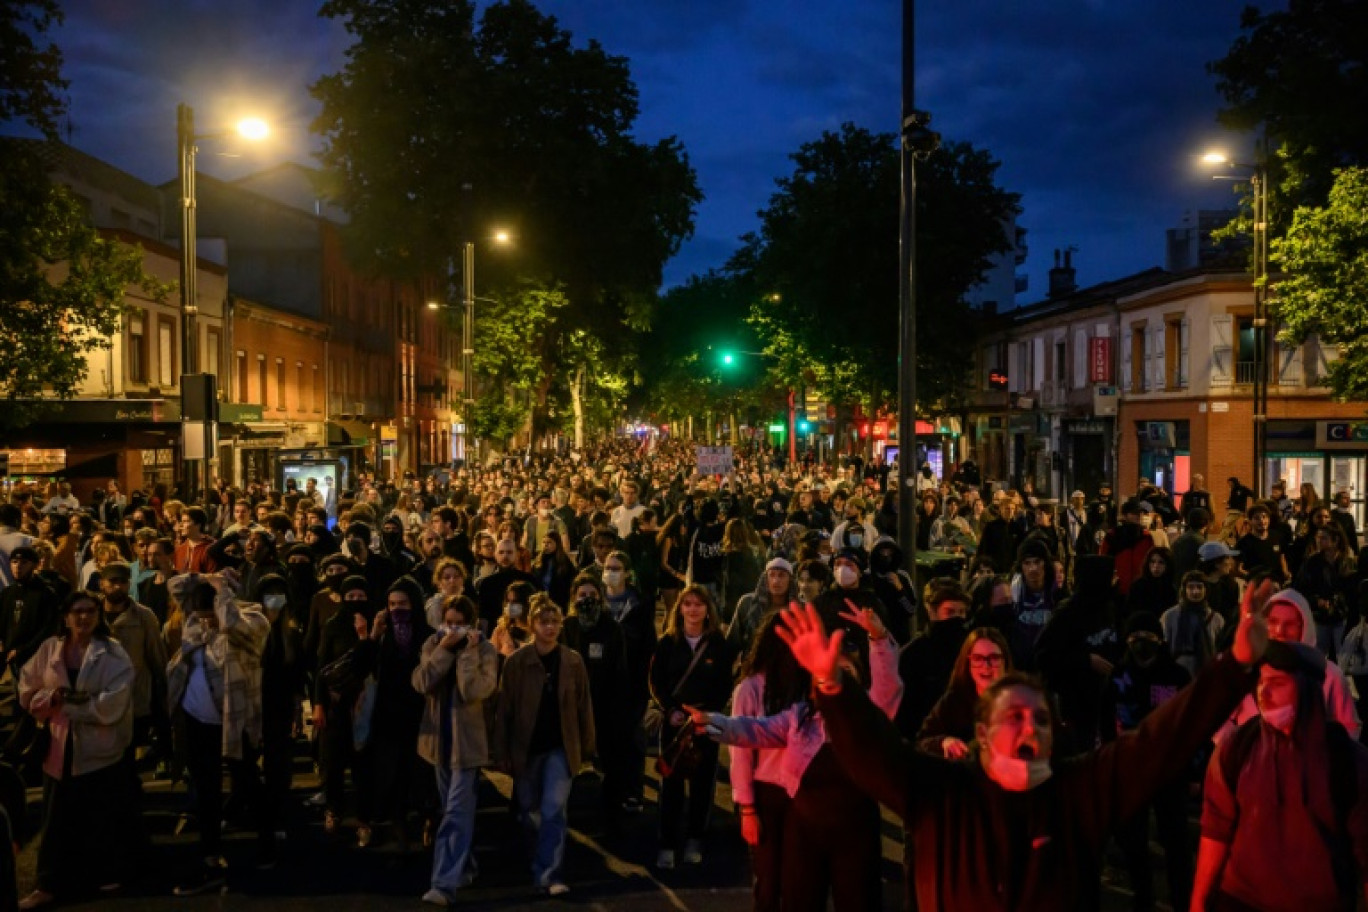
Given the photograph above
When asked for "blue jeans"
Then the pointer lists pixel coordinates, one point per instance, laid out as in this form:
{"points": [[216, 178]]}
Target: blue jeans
{"points": [[456, 833], [542, 792]]}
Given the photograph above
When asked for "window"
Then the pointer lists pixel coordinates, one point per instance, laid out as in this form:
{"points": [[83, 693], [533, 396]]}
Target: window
{"points": [[1176, 353], [137, 347], [1137, 357], [1061, 364], [317, 389], [166, 354], [242, 394], [299, 386], [1244, 350], [261, 379], [280, 384], [213, 340]]}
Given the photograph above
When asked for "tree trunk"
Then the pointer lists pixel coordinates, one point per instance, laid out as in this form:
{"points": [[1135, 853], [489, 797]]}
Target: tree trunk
{"points": [[577, 403]]}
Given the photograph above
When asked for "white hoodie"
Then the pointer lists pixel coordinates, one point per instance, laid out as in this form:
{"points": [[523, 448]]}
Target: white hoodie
{"points": [[1339, 703]]}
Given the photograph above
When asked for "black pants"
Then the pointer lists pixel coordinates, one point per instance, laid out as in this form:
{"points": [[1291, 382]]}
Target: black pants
{"points": [[772, 805], [396, 772], [86, 820], [831, 843], [277, 758], [338, 755], [204, 744], [700, 785], [1170, 812]]}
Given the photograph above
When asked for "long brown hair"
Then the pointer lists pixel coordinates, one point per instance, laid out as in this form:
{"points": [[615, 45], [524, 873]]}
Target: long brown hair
{"points": [[675, 627], [959, 676]]}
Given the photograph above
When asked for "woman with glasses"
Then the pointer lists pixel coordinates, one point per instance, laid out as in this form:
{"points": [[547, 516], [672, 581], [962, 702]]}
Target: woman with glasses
{"points": [[80, 683], [949, 728]]}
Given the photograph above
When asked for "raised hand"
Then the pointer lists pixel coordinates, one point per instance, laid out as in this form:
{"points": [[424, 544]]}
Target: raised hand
{"points": [[866, 618], [1251, 637], [801, 629]]}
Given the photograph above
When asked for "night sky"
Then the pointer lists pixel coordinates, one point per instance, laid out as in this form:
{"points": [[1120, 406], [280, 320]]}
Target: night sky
{"points": [[1096, 108]]}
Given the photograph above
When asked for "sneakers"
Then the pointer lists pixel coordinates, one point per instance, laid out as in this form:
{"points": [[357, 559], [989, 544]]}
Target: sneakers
{"points": [[693, 852], [436, 897], [209, 877], [37, 900], [556, 888], [665, 860]]}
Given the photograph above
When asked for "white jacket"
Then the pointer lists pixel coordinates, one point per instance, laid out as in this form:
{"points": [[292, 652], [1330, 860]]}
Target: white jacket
{"points": [[101, 728]]}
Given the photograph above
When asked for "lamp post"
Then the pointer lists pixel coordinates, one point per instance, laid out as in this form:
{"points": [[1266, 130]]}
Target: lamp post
{"points": [[468, 300], [198, 393], [916, 140], [1258, 185]]}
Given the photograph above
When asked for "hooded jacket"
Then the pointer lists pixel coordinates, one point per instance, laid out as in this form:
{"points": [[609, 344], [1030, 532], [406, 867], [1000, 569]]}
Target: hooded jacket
{"points": [[1339, 703]]}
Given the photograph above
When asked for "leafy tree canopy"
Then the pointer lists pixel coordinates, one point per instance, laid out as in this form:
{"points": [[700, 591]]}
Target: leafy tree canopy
{"points": [[1324, 259], [825, 261], [61, 284], [1301, 74]]}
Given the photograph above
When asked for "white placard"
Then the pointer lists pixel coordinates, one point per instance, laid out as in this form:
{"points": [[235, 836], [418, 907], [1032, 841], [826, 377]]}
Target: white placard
{"points": [[714, 460]]}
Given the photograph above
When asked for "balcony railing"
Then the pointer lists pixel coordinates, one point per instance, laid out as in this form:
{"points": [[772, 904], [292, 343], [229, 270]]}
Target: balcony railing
{"points": [[1244, 371]]}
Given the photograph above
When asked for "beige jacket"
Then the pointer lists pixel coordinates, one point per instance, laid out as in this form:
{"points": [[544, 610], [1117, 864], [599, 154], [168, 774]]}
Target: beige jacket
{"points": [[475, 677], [139, 633], [102, 728], [519, 694]]}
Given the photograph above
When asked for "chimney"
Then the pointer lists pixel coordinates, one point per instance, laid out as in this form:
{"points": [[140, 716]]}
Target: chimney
{"points": [[1063, 278]]}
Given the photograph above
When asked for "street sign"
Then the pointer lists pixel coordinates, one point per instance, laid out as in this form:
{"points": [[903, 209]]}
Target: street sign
{"points": [[714, 460]]}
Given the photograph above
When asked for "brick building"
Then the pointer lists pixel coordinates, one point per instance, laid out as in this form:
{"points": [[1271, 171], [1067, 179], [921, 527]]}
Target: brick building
{"points": [[1151, 376]]}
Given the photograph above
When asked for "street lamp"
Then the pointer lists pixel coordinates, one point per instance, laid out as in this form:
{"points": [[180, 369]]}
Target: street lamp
{"points": [[197, 392], [1258, 183], [468, 300]]}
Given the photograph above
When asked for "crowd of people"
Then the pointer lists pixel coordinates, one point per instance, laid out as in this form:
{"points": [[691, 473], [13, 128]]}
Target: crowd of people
{"points": [[1093, 663]]}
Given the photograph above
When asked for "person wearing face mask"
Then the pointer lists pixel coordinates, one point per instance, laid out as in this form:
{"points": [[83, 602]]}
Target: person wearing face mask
{"points": [[457, 673], [853, 531], [1078, 649], [395, 549], [926, 663], [325, 603], [301, 577], [390, 653], [849, 588], [894, 588], [282, 687], [592, 632], [1012, 829], [1285, 803], [513, 629], [1290, 621], [333, 706], [1146, 677], [1128, 544], [831, 830]]}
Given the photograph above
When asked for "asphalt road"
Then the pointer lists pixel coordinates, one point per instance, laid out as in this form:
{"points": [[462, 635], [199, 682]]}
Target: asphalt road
{"points": [[330, 874]]}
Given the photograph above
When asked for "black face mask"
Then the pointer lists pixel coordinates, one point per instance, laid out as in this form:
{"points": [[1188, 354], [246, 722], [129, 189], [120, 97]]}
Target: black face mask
{"points": [[882, 562], [301, 571], [392, 541], [335, 581], [588, 610]]}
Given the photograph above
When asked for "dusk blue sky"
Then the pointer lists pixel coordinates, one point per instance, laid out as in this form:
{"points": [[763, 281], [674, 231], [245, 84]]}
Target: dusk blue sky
{"points": [[1096, 108]]}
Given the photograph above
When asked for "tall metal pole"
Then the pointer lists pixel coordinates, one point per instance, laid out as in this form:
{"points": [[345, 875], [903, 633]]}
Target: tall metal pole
{"points": [[907, 300], [1261, 327], [468, 346], [189, 297]]}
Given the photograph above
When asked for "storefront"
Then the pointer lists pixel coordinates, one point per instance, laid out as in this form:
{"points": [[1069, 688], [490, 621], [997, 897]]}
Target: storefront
{"points": [[91, 441], [1331, 456], [1089, 460], [1165, 454]]}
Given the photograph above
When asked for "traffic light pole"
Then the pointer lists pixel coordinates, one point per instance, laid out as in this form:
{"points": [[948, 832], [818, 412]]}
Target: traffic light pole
{"points": [[907, 303]]}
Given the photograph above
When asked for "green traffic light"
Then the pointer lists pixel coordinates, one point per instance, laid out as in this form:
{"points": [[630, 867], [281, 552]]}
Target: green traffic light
{"points": [[727, 358]]}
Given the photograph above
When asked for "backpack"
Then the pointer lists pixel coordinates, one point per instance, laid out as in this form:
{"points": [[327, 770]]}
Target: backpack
{"points": [[1343, 775]]}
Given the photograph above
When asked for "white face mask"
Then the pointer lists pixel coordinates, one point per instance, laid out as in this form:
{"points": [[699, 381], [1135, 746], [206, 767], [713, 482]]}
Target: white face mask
{"points": [[515, 610], [1015, 774], [1282, 717], [612, 578], [847, 576], [274, 601]]}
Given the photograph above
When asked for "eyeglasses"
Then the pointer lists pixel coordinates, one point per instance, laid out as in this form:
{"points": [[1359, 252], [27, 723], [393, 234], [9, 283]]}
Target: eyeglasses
{"points": [[996, 659]]}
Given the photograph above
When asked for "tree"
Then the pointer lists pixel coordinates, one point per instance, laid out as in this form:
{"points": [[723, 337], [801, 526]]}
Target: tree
{"points": [[1324, 289], [825, 261], [61, 284], [440, 126], [1298, 75]]}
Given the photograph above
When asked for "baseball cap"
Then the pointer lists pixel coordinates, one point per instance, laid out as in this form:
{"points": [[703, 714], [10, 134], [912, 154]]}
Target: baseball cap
{"points": [[1215, 550]]}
